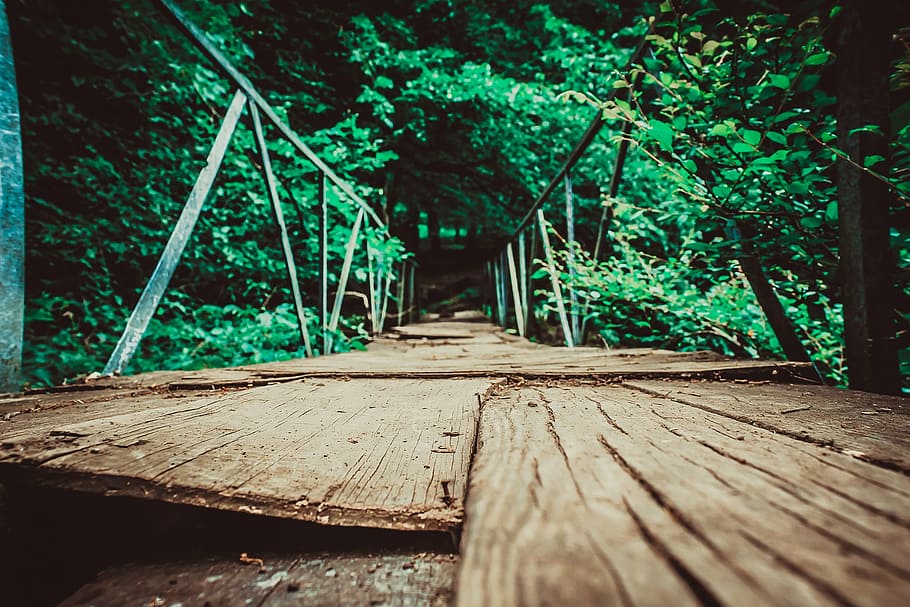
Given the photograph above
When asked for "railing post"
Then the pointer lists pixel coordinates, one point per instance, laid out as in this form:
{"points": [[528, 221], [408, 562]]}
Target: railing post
{"points": [[570, 260], [525, 284], [343, 278], [384, 308], [400, 289], [283, 230], [496, 307], [371, 285], [167, 263], [501, 292], [516, 295], [413, 299], [554, 279], [503, 289], [12, 219], [323, 261]]}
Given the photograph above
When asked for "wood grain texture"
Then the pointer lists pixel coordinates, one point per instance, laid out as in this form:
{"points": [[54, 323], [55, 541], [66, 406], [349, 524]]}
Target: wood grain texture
{"points": [[381, 453], [610, 496], [393, 579], [872, 427]]}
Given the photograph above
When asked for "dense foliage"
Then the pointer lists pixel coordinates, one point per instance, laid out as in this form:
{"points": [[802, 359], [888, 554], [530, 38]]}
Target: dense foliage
{"points": [[450, 118], [733, 113]]}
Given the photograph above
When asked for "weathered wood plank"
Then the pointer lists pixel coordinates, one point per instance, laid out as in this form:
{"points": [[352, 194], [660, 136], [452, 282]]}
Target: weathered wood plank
{"points": [[396, 579], [474, 349], [872, 427], [379, 453], [604, 495]]}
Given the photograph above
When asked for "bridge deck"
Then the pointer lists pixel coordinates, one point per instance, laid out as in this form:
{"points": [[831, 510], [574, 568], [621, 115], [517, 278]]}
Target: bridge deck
{"points": [[579, 476]]}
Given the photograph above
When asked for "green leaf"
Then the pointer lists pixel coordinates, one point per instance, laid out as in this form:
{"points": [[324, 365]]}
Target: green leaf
{"points": [[663, 134], [710, 46], [870, 161], [780, 155], [811, 223], [831, 212], [817, 59], [741, 147], [779, 81], [722, 129], [751, 43], [721, 191], [690, 165], [383, 82], [751, 137], [776, 137]]}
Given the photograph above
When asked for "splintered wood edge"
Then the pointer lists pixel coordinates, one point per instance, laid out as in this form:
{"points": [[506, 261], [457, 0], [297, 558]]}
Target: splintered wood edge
{"points": [[442, 518]]}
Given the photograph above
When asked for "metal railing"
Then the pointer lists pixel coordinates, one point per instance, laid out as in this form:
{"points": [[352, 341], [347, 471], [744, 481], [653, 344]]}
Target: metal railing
{"points": [[380, 277], [508, 277]]}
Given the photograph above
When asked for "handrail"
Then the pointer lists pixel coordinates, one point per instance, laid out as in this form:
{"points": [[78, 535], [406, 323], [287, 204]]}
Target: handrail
{"points": [[198, 37], [577, 152], [498, 270], [157, 285]]}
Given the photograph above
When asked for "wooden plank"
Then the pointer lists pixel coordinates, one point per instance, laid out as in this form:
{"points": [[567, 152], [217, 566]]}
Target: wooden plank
{"points": [[399, 579], [484, 357], [609, 496], [431, 331], [456, 348], [872, 427], [375, 453]]}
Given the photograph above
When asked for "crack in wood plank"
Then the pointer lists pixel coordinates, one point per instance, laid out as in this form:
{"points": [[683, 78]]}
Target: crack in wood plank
{"points": [[685, 500]]}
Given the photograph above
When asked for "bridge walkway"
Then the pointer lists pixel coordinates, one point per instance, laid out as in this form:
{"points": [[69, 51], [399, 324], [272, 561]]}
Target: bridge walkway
{"points": [[553, 476]]}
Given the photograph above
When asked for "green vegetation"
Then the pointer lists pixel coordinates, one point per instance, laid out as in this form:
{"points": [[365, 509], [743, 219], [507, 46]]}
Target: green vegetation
{"points": [[450, 118]]}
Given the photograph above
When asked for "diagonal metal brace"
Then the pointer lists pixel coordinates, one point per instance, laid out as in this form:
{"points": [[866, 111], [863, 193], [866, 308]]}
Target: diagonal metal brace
{"points": [[161, 277]]}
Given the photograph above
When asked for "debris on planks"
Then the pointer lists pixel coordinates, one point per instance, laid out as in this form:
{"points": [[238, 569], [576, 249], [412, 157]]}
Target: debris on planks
{"points": [[406, 579]]}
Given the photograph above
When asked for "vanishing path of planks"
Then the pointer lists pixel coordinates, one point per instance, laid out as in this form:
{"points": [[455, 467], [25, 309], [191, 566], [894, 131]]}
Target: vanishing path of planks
{"points": [[584, 477]]}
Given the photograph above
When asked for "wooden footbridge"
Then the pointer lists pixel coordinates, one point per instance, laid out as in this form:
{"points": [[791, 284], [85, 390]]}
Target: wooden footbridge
{"points": [[452, 462], [562, 476]]}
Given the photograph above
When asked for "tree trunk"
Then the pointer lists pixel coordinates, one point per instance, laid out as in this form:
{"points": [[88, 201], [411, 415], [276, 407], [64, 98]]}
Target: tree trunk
{"points": [[863, 200]]}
